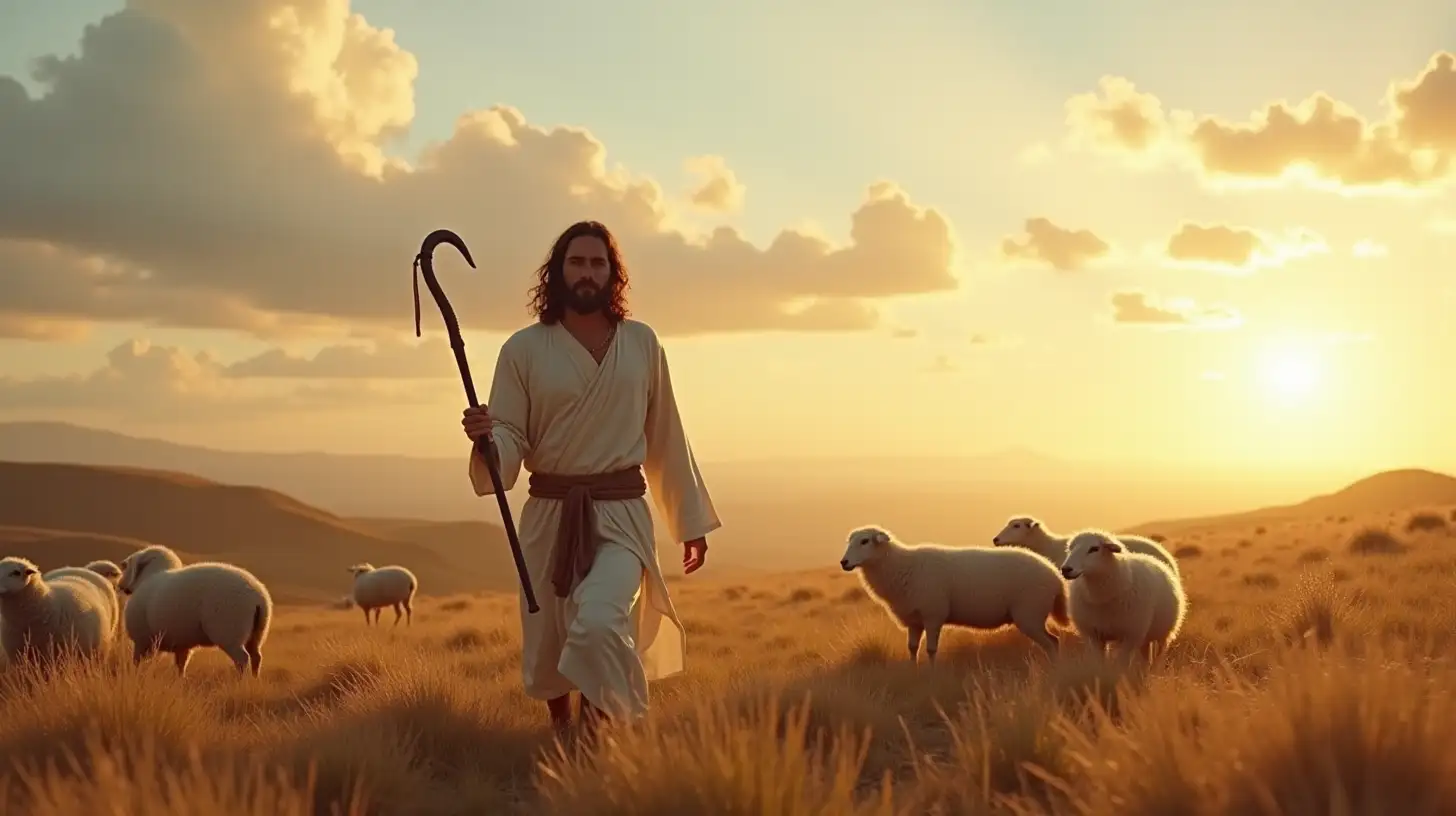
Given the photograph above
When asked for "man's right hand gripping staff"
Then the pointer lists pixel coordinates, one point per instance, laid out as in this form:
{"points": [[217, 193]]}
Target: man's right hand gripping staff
{"points": [[476, 423]]}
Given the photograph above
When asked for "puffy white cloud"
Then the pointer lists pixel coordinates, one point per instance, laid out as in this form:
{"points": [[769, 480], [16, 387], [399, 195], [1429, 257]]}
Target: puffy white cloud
{"points": [[220, 164]]}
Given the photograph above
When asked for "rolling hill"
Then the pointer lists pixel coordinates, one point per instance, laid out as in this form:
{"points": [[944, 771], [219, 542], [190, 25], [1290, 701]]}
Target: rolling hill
{"points": [[64, 514], [1390, 491]]}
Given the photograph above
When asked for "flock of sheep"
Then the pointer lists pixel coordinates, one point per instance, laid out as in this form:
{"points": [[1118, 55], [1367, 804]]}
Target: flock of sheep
{"points": [[169, 607], [1123, 590]]}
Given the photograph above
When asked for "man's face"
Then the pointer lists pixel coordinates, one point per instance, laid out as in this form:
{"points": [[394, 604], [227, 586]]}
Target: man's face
{"points": [[586, 272]]}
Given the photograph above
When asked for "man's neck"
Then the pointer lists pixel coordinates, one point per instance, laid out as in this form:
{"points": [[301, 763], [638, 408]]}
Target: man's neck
{"points": [[588, 324]]}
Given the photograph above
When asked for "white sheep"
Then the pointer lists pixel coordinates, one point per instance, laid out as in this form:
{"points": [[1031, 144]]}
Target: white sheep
{"points": [[1029, 532], [378, 587], [106, 569], [101, 582], [175, 609], [42, 617], [926, 586], [1122, 597]]}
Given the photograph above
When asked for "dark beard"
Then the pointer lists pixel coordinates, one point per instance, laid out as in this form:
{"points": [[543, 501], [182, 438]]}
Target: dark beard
{"points": [[585, 298]]}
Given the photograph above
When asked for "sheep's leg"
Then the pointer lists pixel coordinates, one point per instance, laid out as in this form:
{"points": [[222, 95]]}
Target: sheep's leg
{"points": [[181, 658], [365, 610], [1034, 627], [397, 613], [1154, 649], [142, 650], [377, 610], [240, 657], [409, 613], [932, 641], [912, 640], [255, 657]]}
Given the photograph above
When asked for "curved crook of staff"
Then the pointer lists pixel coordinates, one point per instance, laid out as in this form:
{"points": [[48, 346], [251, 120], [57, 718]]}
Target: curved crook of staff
{"points": [[424, 262]]}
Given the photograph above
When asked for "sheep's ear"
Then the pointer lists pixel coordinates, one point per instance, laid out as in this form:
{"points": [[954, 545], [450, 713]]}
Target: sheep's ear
{"points": [[1033, 524], [882, 537], [1112, 545], [31, 571]]}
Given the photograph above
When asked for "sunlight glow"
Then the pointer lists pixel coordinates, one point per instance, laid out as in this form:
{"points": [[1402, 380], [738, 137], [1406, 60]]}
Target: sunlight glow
{"points": [[1290, 374]]}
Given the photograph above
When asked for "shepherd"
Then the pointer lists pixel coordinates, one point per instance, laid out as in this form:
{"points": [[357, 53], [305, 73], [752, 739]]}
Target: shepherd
{"points": [[583, 399]]}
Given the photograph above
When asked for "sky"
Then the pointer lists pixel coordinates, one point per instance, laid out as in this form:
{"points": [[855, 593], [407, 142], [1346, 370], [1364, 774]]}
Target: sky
{"points": [[1117, 231]]}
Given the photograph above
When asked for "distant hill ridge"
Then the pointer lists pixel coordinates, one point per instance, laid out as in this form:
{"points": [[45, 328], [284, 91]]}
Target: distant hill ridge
{"points": [[302, 550], [1388, 491]]}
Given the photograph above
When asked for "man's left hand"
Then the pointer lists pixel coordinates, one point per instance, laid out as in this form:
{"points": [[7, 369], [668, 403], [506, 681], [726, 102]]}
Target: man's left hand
{"points": [[695, 552]]}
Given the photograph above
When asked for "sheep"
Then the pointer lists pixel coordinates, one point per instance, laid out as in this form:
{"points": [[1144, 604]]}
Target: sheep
{"points": [[1031, 533], [101, 582], [106, 569], [378, 587], [1123, 597], [926, 586], [175, 609], [40, 616]]}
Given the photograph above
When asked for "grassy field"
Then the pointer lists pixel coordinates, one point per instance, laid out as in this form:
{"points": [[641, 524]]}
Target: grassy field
{"points": [[1312, 677]]}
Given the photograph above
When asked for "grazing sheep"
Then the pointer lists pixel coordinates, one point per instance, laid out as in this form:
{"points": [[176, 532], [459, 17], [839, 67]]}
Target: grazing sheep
{"points": [[1031, 533], [101, 582], [106, 569], [378, 587], [175, 609], [40, 617], [1128, 598], [926, 586]]}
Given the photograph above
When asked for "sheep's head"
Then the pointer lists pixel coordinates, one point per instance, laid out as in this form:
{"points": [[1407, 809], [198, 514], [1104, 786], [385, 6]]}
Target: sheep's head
{"points": [[106, 569], [150, 561], [1017, 531], [865, 545], [16, 574], [1090, 551], [361, 568]]}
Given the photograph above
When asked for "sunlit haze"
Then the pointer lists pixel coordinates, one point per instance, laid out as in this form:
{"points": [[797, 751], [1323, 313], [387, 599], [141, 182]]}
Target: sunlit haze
{"points": [[943, 229]]}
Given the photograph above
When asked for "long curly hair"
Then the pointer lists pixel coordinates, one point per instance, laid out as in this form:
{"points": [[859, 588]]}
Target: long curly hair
{"points": [[548, 296]]}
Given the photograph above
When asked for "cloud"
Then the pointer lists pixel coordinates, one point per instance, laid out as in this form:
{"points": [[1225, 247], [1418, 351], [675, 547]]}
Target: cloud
{"points": [[1228, 248], [718, 189], [1319, 141], [221, 165], [1141, 308], [1117, 117], [150, 382], [1366, 248], [1062, 249], [388, 359]]}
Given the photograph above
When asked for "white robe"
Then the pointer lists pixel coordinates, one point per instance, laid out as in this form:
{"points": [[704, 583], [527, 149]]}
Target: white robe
{"points": [[554, 410]]}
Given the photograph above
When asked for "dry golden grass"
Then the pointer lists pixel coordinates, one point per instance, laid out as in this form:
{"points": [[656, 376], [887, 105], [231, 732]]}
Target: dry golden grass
{"points": [[1312, 677]]}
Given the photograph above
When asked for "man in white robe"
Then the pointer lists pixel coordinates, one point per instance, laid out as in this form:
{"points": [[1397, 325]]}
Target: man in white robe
{"points": [[583, 398]]}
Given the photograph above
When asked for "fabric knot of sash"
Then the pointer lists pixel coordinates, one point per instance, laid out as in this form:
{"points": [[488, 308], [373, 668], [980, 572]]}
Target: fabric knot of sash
{"points": [[577, 538]]}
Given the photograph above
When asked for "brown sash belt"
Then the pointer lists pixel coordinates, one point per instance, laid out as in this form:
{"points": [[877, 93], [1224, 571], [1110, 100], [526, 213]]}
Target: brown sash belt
{"points": [[577, 538]]}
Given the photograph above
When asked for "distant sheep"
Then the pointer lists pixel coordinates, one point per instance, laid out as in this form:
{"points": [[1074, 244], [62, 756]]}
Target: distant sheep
{"points": [[175, 609], [42, 617], [926, 586], [378, 587], [106, 569], [1122, 597], [1029, 532]]}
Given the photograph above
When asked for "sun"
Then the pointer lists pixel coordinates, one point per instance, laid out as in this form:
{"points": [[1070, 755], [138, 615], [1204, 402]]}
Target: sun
{"points": [[1290, 374]]}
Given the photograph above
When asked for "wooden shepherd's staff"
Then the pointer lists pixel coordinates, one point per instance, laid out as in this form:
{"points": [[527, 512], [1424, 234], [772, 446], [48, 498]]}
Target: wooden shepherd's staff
{"points": [[425, 261]]}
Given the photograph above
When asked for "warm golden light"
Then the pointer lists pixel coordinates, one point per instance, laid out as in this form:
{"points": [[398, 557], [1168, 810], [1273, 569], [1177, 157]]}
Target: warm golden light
{"points": [[1290, 373]]}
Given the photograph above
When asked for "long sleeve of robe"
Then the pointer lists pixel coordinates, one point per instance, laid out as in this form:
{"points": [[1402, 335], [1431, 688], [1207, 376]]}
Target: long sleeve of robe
{"points": [[670, 468], [509, 407], [555, 410]]}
